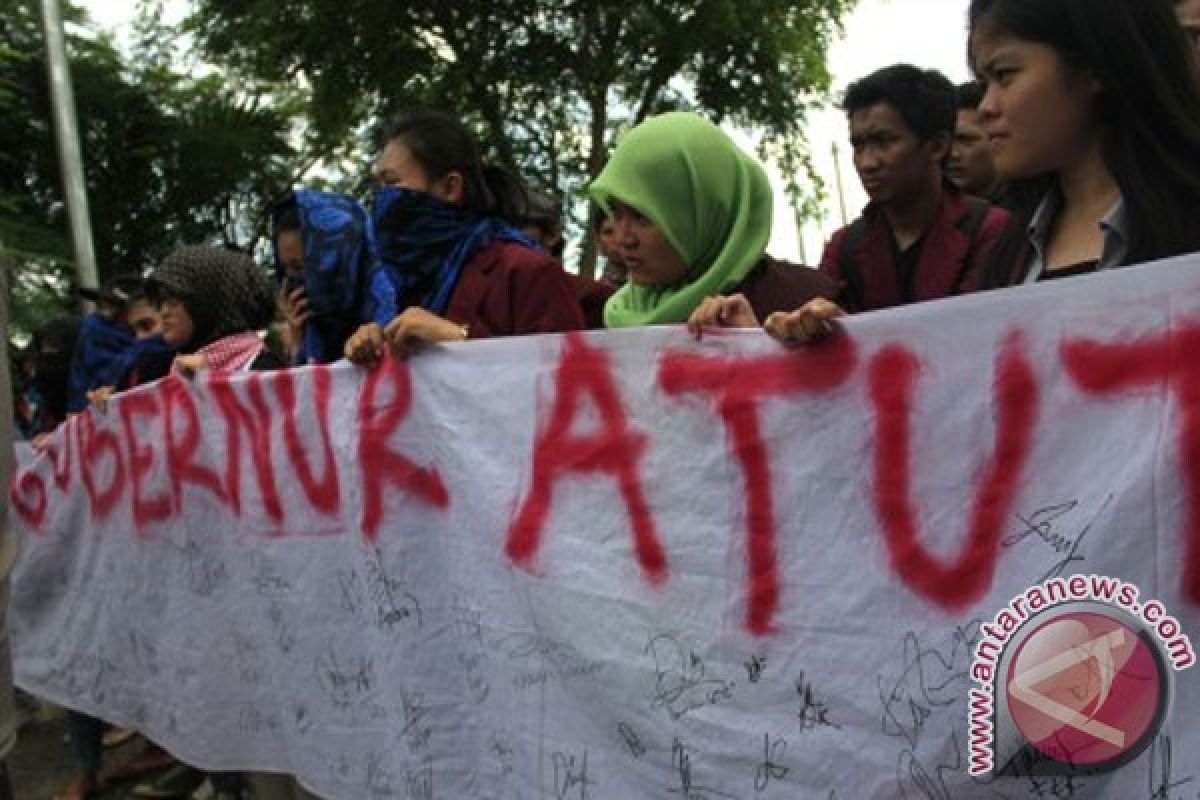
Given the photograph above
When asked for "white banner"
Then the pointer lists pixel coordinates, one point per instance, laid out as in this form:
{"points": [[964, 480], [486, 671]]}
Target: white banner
{"points": [[625, 565]]}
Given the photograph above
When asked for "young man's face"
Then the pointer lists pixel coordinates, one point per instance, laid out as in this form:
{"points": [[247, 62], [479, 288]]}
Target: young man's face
{"points": [[895, 166], [144, 318], [970, 166]]}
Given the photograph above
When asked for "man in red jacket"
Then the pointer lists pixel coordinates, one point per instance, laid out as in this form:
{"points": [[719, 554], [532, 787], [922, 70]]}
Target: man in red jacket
{"points": [[919, 238]]}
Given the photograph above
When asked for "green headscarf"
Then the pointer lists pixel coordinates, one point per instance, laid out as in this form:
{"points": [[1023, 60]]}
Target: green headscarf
{"points": [[710, 200]]}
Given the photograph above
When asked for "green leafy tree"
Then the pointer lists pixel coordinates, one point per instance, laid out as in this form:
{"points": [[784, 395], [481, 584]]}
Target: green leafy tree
{"points": [[168, 158], [547, 84]]}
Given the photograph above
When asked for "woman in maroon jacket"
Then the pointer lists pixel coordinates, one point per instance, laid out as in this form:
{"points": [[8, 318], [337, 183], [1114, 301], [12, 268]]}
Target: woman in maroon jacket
{"points": [[444, 228]]}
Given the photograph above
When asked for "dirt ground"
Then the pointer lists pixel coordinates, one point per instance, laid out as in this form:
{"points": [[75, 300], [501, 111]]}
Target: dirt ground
{"points": [[42, 763]]}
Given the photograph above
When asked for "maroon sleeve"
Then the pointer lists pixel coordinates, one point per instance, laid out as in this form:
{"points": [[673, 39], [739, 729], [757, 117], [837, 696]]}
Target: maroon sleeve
{"points": [[995, 225], [831, 264], [508, 289], [541, 296], [592, 295], [776, 285]]}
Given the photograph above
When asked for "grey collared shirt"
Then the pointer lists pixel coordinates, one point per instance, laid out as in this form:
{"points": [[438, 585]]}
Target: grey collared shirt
{"points": [[1114, 224]]}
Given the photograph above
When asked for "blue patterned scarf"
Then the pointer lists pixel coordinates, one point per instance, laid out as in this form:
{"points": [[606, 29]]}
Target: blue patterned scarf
{"points": [[145, 360], [107, 354], [425, 243], [343, 280]]}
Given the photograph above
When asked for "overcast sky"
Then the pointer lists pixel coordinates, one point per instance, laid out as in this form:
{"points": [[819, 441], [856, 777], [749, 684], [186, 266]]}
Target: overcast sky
{"points": [[928, 33]]}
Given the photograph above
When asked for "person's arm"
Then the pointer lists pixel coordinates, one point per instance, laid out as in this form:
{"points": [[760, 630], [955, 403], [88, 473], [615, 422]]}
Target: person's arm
{"points": [[831, 264], [995, 225]]}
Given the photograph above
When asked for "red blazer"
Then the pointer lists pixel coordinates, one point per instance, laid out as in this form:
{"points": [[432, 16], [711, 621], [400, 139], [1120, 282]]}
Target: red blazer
{"points": [[508, 289], [592, 295], [776, 285], [950, 262]]}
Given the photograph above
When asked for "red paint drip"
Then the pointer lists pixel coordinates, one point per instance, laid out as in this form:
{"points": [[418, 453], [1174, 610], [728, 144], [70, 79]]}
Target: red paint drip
{"points": [[1168, 361], [61, 458], [614, 451], [94, 444], [28, 496], [892, 379], [183, 445], [380, 464], [740, 386], [325, 492], [255, 422], [141, 459]]}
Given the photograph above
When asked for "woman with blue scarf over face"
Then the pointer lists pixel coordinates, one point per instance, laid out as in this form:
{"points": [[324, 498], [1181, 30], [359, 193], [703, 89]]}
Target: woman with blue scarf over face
{"points": [[443, 226], [329, 274], [119, 343]]}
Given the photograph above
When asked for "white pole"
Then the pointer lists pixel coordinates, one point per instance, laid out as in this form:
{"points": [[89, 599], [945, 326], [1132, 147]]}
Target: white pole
{"points": [[841, 190], [66, 129], [799, 218]]}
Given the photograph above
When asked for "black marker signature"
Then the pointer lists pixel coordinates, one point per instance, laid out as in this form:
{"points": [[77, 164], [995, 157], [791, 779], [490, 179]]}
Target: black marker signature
{"points": [[345, 684], [632, 740], [503, 752], [420, 781], [688, 790], [770, 769], [394, 606], [928, 681], [813, 712], [917, 782], [1054, 787], [417, 734], [1162, 787], [379, 779], [1046, 526], [205, 573], [680, 684], [571, 773]]}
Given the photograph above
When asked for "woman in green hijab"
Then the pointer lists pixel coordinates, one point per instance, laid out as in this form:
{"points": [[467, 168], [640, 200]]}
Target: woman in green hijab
{"points": [[693, 216]]}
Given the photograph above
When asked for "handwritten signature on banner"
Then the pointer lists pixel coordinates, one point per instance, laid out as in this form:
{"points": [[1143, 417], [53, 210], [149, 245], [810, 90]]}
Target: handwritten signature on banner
{"points": [[925, 694], [1046, 526], [681, 683]]}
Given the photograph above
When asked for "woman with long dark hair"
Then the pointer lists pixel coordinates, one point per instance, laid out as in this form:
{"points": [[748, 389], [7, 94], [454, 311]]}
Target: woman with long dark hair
{"points": [[447, 228], [1094, 116]]}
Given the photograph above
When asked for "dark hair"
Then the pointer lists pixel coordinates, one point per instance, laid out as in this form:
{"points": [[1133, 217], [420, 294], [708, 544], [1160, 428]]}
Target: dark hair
{"points": [[53, 347], [286, 217], [968, 96], [441, 145], [59, 335], [599, 217], [924, 98], [1149, 107], [543, 210]]}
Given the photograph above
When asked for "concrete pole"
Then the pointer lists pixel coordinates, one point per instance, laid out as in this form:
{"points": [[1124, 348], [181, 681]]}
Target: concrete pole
{"points": [[70, 158]]}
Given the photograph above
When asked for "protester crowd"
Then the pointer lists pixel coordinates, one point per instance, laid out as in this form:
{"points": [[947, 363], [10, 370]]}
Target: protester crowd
{"points": [[1074, 151]]}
